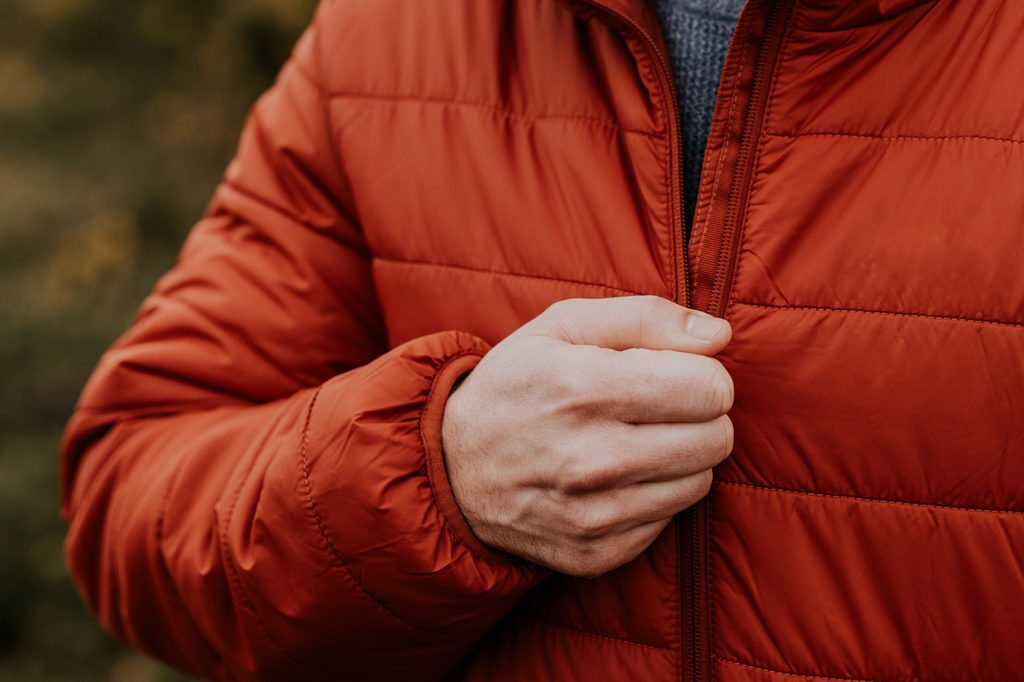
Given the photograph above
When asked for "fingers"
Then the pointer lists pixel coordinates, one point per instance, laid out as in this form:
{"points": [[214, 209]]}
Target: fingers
{"points": [[607, 530], [634, 322], [594, 559], [647, 386], [665, 452], [578, 437], [620, 510], [624, 455]]}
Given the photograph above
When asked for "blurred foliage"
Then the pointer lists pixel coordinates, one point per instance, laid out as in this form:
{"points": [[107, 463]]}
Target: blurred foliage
{"points": [[116, 120]]}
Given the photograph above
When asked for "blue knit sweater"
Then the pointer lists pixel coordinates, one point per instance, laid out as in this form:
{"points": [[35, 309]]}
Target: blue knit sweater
{"points": [[698, 34]]}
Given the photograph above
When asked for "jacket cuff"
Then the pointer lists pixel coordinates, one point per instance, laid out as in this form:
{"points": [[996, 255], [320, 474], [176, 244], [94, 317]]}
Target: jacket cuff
{"points": [[447, 376]]}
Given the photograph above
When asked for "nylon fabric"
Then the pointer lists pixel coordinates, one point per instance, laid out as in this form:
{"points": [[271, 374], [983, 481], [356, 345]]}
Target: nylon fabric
{"points": [[253, 479]]}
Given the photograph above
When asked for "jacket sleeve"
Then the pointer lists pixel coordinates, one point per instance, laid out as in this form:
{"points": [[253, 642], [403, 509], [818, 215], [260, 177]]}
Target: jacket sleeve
{"points": [[253, 483]]}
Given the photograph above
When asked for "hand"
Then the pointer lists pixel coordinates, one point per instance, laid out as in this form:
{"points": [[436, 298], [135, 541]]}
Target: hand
{"points": [[577, 438]]}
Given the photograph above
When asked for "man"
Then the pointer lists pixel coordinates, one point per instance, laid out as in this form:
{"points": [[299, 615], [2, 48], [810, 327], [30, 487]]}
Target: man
{"points": [[291, 468]]}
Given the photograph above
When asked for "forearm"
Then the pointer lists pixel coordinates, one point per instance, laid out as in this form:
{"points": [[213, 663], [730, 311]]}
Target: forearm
{"points": [[305, 536]]}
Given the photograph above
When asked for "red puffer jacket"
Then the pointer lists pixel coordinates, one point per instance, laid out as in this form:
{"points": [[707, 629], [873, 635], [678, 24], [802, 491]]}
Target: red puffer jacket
{"points": [[253, 479]]}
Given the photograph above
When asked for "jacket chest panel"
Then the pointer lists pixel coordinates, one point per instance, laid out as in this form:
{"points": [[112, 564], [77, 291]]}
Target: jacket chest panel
{"points": [[891, 154], [876, 357], [468, 197], [846, 588], [935, 68], [505, 172], [875, 273]]}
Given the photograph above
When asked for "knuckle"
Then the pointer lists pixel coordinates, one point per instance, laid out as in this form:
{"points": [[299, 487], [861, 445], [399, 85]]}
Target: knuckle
{"points": [[652, 315], [702, 484], [561, 319], [653, 307], [728, 435], [728, 389], [573, 478], [569, 310], [578, 385], [718, 439], [563, 390], [580, 475], [594, 521], [585, 566], [560, 308], [589, 571], [719, 387], [584, 386], [649, 308], [593, 560]]}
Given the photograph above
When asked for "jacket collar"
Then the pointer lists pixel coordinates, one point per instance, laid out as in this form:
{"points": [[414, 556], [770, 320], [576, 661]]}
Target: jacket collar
{"points": [[834, 14], [637, 13]]}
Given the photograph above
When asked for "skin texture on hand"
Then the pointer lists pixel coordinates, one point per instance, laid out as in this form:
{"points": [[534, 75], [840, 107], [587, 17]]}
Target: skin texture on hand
{"points": [[577, 438]]}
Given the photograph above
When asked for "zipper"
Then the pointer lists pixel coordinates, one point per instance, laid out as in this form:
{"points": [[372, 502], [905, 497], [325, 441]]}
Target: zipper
{"points": [[692, 533], [713, 274], [667, 88], [759, 38], [704, 285], [695, 657]]}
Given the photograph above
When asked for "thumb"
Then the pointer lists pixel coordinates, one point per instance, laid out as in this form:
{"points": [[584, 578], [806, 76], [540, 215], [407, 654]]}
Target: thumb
{"points": [[633, 322]]}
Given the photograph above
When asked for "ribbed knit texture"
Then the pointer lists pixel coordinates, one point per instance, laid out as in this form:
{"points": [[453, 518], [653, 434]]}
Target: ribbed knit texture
{"points": [[698, 34]]}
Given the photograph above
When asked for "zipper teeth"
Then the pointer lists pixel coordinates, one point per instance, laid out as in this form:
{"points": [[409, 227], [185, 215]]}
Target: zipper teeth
{"points": [[682, 262], [726, 260], [713, 232], [695, 664], [679, 231], [701, 653], [709, 294]]}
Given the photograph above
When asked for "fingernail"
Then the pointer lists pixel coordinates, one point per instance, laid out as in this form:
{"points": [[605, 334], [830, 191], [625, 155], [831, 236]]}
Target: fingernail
{"points": [[703, 327]]}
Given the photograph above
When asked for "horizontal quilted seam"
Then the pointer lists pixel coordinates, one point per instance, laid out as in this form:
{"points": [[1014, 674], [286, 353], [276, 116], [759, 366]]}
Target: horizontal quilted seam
{"points": [[501, 273], [890, 313], [607, 638], [804, 676], [894, 138], [873, 500], [491, 109]]}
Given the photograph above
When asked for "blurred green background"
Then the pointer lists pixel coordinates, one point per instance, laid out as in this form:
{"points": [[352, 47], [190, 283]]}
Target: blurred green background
{"points": [[116, 121]]}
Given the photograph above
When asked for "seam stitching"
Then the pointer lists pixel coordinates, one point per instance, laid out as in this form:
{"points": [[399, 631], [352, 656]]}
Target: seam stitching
{"points": [[311, 505], [347, 212], [619, 640], [897, 138], [262, 201], [794, 19], [789, 674], [678, 245], [783, 56], [889, 313], [481, 106], [164, 409], [232, 572], [715, 187], [878, 500], [487, 271]]}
